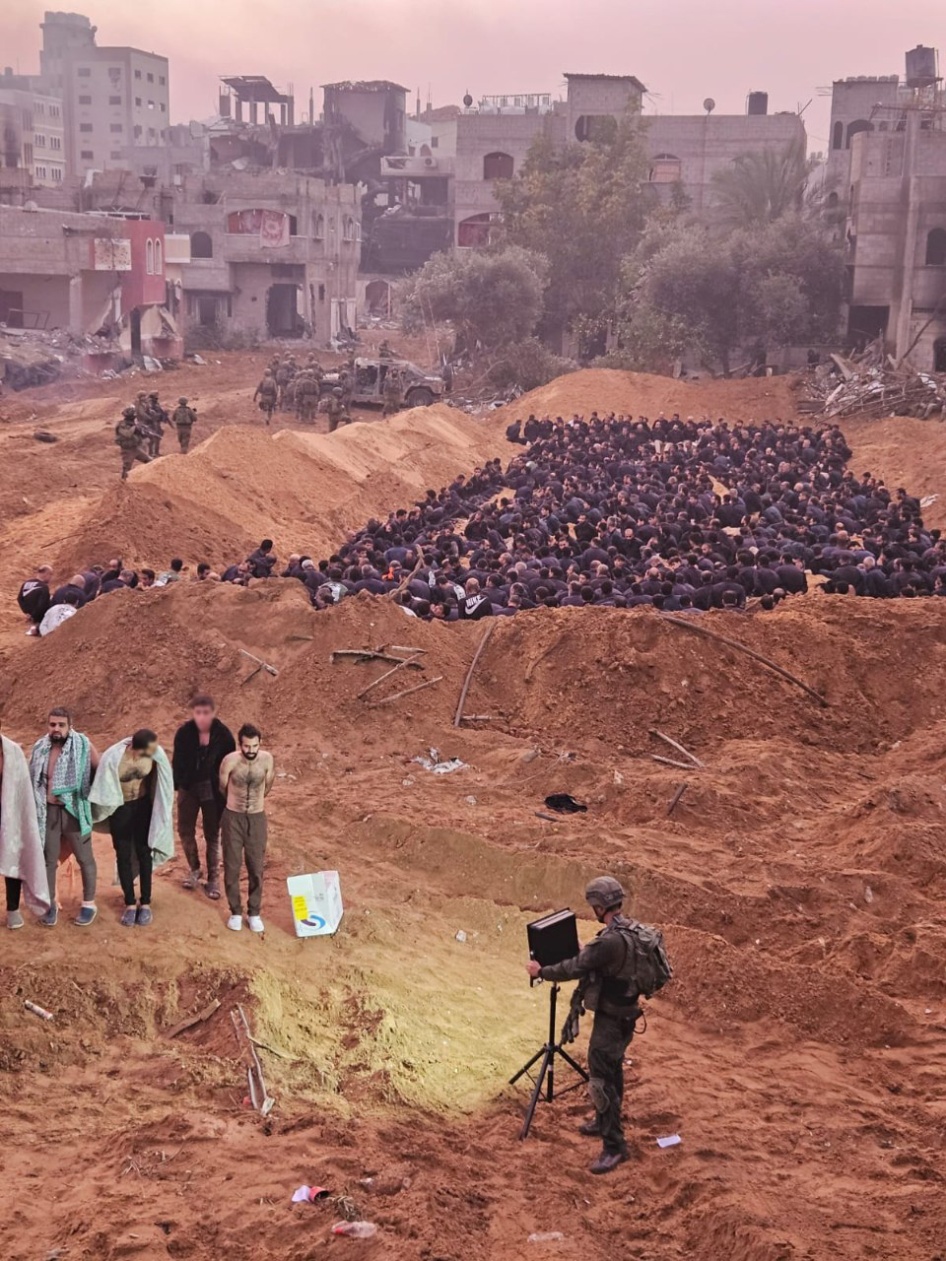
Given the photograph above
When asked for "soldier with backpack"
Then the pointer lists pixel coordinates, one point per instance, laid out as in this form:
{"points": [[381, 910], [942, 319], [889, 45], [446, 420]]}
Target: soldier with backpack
{"points": [[624, 963]]}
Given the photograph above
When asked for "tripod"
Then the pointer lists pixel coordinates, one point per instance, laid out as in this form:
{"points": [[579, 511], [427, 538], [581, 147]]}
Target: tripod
{"points": [[546, 1075]]}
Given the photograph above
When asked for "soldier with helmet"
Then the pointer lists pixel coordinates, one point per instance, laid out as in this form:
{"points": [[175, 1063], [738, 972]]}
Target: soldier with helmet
{"points": [[148, 426], [184, 420], [129, 438], [267, 392], [159, 418], [606, 968], [336, 409]]}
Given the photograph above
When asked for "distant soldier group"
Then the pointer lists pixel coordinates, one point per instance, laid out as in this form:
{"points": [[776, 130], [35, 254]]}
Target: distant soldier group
{"points": [[287, 387], [139, 432]]}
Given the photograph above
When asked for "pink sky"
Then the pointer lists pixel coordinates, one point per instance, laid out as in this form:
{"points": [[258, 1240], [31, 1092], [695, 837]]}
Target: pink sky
{"points": [[683, 50]]}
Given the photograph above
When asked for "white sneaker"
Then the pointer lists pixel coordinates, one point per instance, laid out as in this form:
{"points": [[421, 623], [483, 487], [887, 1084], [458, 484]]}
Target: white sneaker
{"points": [[235, 922], [255, 924]]}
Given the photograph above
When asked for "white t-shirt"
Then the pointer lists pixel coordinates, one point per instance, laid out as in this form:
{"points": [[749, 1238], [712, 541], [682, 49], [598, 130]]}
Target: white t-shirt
{"points": [[58, 614]]}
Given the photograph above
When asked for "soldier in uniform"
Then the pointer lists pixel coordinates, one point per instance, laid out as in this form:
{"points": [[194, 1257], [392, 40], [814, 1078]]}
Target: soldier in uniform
{"points": [[146, 421], [347, 386], [311, 393], [283, 377], [392, 392], [129, 439], [384, 350], [605, 968], [336, 409], [267, 392], [159, 418], [183, 420]]}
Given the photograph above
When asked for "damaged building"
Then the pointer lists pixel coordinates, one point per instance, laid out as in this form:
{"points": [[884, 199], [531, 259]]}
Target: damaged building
{"points": [[266, 254], [493, 139], [896, 226], [93, 275]]}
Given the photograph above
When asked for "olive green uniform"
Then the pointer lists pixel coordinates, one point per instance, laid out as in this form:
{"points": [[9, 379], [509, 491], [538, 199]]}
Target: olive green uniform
{"points": [[392, 395], [128, 436], [336, 411], [184, 419], [599, 966]]}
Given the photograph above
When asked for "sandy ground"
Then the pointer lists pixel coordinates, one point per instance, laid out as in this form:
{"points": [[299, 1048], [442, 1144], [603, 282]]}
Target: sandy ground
{"points": [[800, 882]]}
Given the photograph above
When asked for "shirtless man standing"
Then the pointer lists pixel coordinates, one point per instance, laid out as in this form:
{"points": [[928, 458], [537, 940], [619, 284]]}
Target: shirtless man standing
{"points": [[246, 778], [130, 826]]}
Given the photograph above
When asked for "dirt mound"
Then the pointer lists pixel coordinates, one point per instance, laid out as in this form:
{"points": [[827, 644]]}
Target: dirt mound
{"points": [[641, 394], [904, 452], [799, 881], [306, 491]]}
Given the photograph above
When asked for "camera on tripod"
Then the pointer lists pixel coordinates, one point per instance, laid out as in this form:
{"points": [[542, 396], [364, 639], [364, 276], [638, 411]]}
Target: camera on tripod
{"points": [[552, 939]]}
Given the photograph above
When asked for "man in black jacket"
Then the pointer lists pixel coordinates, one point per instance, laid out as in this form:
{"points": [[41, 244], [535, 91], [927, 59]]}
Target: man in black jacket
{"points": [[200, 745], [34, 597]]}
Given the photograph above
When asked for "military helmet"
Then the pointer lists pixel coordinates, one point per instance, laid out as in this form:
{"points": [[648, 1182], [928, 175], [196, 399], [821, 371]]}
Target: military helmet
{"points": [[337, 392], [605, 892], [128, 413], [142, 394], [153, 394], [182, 402]]}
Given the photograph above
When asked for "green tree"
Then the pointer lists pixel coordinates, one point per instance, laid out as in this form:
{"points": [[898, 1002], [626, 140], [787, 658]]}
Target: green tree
{"points": [[760, 287], [493, 297], [583, 206], [762, 186]]}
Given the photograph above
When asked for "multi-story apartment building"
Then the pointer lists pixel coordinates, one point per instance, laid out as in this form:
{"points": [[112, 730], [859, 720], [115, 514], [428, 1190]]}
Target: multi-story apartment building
{"points": [[114, 99], [33, 136]]}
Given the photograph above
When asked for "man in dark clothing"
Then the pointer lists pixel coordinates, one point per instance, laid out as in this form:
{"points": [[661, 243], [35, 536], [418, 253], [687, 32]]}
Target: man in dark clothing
{"points": [[34, 598], [474, 604], [602, 967], [75, 586], [263, 560], [200, 745]]}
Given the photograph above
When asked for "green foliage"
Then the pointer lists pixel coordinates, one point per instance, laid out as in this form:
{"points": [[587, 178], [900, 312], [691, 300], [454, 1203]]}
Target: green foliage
{"points": [[583, 207], [759, 287], [493, 297], [527, 364], [762, 186]]}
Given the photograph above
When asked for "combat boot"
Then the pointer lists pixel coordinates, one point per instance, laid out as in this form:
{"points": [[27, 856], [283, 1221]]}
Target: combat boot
{"points": [[609, 1161], [590, 1129]]}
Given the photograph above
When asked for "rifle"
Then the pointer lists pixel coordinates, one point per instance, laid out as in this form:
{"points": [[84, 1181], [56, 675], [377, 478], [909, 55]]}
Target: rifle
{"points": [[576, 1010]]}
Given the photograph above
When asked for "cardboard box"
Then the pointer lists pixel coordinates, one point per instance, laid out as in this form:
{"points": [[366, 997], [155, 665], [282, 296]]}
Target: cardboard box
{"points": [[316, 903]]}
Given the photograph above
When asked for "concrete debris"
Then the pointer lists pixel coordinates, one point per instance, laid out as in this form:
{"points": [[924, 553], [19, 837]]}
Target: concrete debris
{"points": [[874, 385]]}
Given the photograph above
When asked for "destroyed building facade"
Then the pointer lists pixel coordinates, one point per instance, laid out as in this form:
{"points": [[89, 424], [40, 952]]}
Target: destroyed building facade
{"points": [[264, 254], [886, 170], [94, 275]]}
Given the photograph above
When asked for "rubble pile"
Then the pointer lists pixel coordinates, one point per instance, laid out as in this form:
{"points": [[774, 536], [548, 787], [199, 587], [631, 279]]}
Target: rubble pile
{"points": [[33, 356], [872, 385]]}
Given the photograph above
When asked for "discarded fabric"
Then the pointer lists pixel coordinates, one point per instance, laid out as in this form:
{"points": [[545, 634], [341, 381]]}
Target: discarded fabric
{"points": [[433, 763]]}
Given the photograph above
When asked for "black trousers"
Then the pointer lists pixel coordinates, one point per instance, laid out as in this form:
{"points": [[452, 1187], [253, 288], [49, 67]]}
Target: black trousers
{"points": [[610, 1038], [14, 888], [130, 825]]}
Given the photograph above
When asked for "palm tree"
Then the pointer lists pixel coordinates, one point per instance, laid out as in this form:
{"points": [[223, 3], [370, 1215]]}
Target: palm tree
{"points": [[762, 186]]}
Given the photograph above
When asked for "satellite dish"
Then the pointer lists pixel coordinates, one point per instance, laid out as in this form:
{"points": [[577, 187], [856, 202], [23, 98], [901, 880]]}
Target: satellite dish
{"points": [[709, 105], [468, 100]]}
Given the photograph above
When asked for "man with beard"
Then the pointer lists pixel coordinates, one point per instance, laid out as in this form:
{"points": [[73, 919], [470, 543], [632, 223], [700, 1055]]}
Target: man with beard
{"points": [[200, 746], [61, 767], [246, 778]]}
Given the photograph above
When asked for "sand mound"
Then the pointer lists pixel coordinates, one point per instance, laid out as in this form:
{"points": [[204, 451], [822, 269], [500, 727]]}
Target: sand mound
{"points": [[641, 394], [799, 881], [306, 491]]}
